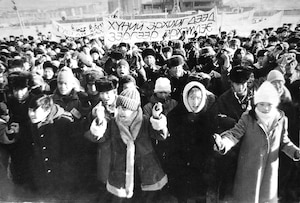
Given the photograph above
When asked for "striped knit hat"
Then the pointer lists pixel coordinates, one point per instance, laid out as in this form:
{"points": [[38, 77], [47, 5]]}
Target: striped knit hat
{"points": [[129, 98]]}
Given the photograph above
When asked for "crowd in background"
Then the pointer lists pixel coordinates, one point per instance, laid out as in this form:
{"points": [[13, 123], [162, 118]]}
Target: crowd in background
{"points": [[62, 137]]}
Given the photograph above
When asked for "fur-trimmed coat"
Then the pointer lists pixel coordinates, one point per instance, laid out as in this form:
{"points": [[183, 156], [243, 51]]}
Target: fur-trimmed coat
{"points": [[146, 163]]}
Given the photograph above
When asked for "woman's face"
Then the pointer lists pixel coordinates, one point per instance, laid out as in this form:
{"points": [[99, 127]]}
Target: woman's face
{"points": [[264, 107], [21, 94], [194, 98]]}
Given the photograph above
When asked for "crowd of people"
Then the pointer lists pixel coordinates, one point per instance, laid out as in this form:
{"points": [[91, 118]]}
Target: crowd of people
{"points": [[205, 119]]}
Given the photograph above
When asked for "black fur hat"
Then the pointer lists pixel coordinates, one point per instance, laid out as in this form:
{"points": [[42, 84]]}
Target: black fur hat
{"points": [[106, 84], [20, 80], [239, 74]]}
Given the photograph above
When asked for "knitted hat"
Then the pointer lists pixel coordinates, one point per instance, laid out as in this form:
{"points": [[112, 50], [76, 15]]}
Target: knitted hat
{"points": [[162, 85], [175, 61], [239, 74], [266, 93], [275, 75], [129, 99]]}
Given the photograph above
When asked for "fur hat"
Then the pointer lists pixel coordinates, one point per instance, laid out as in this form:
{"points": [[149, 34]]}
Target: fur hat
{"points": [[175, 61], [167, 49], [49, 64], [147, 52], [92, 75], [275, 75], [130, 99], [116, 55], [20, 80], [239, 74], [106, 84], [162, 84], [266, 93], [15, 63]]}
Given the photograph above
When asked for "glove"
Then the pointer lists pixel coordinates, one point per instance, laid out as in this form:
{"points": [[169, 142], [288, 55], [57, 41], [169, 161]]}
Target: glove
{"points": [[99, 113], [218, 146], [157, 110]]}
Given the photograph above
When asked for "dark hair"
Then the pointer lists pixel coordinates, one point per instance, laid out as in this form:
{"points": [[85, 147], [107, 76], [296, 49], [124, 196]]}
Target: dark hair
{"points": [[41, 100]]}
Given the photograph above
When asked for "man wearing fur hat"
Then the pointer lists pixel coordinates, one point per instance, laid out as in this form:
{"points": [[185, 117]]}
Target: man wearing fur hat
{"points": [[106, 97], [21, 150], [227, 111], [177, 76], [131, 148]]}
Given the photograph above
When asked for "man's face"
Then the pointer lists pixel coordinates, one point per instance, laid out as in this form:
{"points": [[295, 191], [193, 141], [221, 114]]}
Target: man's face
{"points": [[21, 93], [108, 97], [240, 88], [65, 86], [38, 115]]}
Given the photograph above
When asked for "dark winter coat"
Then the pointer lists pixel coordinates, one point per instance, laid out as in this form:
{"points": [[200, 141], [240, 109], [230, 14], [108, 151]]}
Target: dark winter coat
{"points": [[53, 149], [190, 149], [21, 151]]}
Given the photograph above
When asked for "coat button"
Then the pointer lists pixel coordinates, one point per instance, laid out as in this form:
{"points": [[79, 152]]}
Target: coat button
{"points": [[46, 159], [44, 148], [42, 135], [48, 171]]}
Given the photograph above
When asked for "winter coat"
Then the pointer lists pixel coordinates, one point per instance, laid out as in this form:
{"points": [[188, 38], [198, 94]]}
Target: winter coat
{"points": [[257, 172], [21, 150], [146, 164], [53, 148], [160, 147], [190, 151]]}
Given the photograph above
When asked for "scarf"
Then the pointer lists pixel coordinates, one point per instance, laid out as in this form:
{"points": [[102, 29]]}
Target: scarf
{"points": [[128, 135], [267, 119]]}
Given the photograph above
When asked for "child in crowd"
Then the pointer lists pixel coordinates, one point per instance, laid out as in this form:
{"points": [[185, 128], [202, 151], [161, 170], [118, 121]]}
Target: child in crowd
{"points": [[131, 149], [263, 133]]}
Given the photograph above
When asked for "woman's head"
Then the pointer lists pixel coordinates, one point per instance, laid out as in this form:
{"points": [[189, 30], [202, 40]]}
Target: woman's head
{"points": [[194, 96]]}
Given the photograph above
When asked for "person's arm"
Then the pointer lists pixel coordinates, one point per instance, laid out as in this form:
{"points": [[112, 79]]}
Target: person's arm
{"points": [[159, 122], [286, 145], [229, 138]]}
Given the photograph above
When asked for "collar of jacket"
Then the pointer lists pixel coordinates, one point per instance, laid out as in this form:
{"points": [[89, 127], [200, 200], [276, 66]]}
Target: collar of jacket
{"points": [[72, 96]]}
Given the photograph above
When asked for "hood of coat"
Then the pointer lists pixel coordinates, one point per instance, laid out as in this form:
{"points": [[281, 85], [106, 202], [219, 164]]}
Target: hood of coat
{"points": [[186, 91]]}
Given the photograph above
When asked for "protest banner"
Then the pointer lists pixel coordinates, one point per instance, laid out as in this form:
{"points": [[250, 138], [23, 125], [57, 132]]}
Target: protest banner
{"points": [[132, 31], [76, 31]]}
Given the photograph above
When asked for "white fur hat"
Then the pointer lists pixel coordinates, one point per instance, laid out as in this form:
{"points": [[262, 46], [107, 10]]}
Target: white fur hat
{"points": [[162, 84], [266, 93]]}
